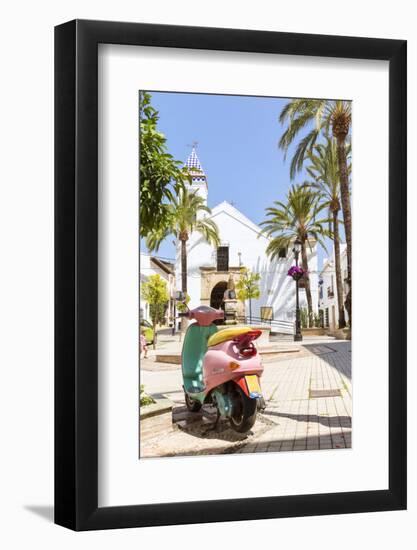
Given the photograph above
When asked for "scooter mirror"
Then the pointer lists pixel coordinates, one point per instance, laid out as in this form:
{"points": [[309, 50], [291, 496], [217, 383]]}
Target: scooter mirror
{"points": [[180, 296]]}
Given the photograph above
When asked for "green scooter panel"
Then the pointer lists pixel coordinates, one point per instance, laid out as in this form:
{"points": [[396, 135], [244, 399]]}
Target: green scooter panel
{"points": [[193, 351]]}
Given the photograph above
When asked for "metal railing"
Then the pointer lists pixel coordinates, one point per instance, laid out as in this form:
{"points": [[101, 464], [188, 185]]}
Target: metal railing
{"points": [[276, 325]]}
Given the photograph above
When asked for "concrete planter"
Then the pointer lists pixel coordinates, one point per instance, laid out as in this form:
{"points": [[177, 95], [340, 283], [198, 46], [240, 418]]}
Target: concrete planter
{"points": [[161, 406], [342, 334], [173, 358], [315, 331]]}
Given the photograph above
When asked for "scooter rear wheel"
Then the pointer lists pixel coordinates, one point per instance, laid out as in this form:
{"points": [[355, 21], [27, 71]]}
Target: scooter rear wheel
{"points": [[192, 404], [244, 410]]}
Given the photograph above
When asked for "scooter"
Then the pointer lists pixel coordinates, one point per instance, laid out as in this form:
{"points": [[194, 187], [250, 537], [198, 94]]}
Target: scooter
{"points": [[221, 367]]}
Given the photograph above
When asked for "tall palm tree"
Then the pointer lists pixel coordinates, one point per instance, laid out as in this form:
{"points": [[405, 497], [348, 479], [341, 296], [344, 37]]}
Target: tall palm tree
{"points": [[296, 219], [324, 171], [183, 218], [325, 115]]}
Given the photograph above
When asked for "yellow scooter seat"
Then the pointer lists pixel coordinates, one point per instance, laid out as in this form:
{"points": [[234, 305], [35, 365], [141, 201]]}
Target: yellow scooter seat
{"points": [[227, 334]]}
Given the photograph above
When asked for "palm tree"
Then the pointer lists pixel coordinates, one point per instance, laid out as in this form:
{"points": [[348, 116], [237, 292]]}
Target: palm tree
{"points": [[296, 219], [325, 115], [324, 170], [182, 219]]}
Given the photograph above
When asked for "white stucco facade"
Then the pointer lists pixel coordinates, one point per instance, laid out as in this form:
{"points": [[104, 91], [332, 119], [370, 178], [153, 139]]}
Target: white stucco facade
{"points": [[150, 265], [328, 300], [246, 248]]}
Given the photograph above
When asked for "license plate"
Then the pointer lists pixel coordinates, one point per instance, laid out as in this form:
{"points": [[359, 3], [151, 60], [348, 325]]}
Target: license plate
{"points": [[252, 382]]}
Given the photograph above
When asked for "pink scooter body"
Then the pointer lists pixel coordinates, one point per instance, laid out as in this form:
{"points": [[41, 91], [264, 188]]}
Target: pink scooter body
{"points": [[217, 365]]}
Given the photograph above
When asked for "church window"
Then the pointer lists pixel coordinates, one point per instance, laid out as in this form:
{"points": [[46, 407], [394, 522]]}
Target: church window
{"points": [[223, 258]]}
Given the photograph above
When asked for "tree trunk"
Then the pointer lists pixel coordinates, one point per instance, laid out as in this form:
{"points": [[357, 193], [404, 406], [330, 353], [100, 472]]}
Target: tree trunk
{"points": [[304, 262], [154, 334], [339, 285], [347, 215], [184, 265], [184, 322]]}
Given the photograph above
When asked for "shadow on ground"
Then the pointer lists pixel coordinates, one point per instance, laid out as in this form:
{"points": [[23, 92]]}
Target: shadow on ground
{"points": [[332, 421], [203, 425], [45, 512], [308, 443], [333, 359]]}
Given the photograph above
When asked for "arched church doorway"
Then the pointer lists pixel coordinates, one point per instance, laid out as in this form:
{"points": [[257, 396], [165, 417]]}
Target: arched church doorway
{"points": [[216, 296]]}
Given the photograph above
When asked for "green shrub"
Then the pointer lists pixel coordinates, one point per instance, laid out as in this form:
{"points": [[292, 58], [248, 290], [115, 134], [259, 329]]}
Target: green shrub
{"points": [[304, 317], [145, 399], [316, 321]]}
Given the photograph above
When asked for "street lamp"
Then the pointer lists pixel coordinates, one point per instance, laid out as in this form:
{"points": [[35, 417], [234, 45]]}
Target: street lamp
{"points": [[297, 336]]}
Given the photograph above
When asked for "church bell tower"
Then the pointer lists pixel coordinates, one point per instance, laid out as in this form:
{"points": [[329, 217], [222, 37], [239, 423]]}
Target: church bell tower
{"points": [[198, 177]]}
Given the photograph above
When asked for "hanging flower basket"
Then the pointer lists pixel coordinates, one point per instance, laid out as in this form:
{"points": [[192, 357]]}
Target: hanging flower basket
{"points": [[296, 272]]}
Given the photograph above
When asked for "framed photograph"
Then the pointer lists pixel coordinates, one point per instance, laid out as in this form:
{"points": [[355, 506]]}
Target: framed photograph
{"points": [[230, 338]]}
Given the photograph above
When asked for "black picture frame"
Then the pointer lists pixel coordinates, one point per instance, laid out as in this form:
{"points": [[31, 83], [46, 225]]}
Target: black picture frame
{"points": [[76, 271]]}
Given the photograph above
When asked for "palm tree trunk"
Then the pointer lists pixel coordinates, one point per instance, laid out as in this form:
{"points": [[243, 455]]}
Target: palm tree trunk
{"points": [[304, 262], [184, 322], [339, 286], [347, 215], [184, 265]]}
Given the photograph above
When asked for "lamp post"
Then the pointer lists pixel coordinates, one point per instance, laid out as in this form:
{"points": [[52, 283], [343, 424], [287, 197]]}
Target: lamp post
{"points": [[297, 336]]}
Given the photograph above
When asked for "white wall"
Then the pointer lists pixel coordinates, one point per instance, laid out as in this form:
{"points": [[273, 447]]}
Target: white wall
{"points": [[148, 268], [328, 276], [26, 404], [277, 289]]}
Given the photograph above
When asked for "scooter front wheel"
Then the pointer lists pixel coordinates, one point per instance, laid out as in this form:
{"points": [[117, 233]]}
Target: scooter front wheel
{"points": [[192, 404], [243, 411]]}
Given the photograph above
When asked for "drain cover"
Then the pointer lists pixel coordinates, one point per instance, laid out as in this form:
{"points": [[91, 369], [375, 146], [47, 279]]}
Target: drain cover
{"points": [[324, 393]]}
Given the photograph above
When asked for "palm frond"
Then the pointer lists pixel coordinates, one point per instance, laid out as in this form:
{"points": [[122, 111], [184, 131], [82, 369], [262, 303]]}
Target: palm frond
{"points": [[300, 153], [297, 218], [154, 239]]}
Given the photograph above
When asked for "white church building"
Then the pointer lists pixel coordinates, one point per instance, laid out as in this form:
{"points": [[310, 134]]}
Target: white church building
{"points": [[211, 269]]}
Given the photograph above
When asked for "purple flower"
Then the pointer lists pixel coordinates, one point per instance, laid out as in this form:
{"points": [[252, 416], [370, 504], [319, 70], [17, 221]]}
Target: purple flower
{"points": [[296, 272]]}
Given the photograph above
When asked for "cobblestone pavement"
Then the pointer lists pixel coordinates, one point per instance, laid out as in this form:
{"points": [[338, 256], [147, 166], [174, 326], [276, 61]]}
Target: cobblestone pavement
{"points": [[309, 407]]}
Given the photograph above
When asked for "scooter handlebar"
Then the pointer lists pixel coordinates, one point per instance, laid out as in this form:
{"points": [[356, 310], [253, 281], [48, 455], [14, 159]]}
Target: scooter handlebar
{"points": [[204, 315]]}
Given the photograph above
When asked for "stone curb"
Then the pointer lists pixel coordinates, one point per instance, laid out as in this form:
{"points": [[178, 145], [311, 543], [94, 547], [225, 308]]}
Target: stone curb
{"points": [[161, 406], [172, 358]]}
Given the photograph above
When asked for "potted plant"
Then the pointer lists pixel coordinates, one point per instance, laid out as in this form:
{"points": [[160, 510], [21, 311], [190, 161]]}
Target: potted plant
{"points": [[296, 272]]}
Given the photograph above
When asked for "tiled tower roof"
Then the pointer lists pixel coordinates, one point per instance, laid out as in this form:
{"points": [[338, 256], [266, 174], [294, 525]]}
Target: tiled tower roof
{"points": [[193, 162], [194, 167]]}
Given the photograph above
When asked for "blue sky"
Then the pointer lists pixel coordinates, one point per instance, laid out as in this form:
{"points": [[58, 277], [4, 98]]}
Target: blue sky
{"points": [[237, 146]]}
